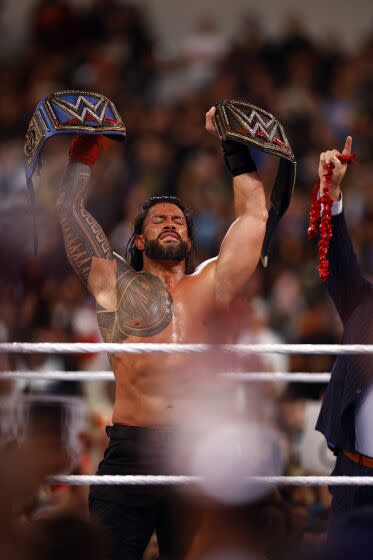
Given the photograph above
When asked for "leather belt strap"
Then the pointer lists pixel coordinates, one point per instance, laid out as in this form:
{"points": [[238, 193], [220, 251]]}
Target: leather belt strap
{"points": [[359, 458]]}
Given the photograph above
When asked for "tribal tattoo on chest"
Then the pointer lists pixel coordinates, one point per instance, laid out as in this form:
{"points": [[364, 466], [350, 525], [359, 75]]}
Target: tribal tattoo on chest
{"points": [[144, 306]]}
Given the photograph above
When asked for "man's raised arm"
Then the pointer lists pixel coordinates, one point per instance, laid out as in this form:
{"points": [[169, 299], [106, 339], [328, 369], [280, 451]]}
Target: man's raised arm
{"points": [[240, 250], [86, 244], [346, 284], [241, 247]]}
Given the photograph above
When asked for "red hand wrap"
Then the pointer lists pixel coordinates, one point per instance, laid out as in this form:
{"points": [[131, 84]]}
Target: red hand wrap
{"points": [[325, 225], [85, 149]]}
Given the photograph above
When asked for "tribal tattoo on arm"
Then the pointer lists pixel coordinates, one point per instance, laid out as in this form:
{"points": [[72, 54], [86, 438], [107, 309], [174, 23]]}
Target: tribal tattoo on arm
{"points": [[143, 305], [83, 236]]}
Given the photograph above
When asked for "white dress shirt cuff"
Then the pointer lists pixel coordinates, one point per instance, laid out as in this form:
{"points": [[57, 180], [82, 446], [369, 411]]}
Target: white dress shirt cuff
{"points": [[337, 207]]}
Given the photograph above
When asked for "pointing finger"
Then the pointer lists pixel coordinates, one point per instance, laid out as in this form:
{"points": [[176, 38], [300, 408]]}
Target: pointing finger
{"points": [[348, 146]]}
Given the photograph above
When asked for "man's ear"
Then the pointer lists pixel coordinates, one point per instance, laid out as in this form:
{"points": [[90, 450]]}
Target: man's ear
{"points": [[140, 242]]}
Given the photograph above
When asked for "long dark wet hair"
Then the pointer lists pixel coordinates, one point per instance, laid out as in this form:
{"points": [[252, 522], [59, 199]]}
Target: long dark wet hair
{"points": [[134, 255]]}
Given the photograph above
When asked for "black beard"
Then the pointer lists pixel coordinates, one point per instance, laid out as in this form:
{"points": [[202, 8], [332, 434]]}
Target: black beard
{"points": [[169, 252]]}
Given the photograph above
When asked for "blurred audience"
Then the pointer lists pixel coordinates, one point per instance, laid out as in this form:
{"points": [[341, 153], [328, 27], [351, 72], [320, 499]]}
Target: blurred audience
{"points": [[319, 92]]}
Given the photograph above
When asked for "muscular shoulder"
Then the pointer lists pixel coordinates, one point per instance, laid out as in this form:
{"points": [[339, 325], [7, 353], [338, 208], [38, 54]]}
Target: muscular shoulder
{"points": [[206, 268], [205, 278]]}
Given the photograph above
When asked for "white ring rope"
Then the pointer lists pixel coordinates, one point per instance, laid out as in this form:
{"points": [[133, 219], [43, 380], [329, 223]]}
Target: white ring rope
{"points": [[134, 480], [299, 377], [147, 348]]}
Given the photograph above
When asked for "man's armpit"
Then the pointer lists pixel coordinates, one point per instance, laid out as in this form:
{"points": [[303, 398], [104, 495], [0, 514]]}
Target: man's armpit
{"points": [[102, 282]]}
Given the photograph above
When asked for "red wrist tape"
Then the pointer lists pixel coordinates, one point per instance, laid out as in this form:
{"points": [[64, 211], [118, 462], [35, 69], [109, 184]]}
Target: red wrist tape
{"points": [[325, 221], [85, 149]]}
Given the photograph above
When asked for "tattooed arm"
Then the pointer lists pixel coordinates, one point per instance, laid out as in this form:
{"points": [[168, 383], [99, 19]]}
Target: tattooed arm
{"points": [[86, 244]]}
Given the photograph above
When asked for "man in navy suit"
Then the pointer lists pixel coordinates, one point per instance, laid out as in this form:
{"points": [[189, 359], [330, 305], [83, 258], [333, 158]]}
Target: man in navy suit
{"points": [[346, 416]]}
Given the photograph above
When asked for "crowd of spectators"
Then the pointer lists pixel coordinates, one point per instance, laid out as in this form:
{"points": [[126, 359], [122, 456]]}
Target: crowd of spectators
{"points": [[319, 92]]}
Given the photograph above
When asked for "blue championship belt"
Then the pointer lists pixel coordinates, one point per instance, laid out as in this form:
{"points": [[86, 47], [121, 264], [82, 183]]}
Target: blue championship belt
{"points": [[68, 112], [242, 122]]}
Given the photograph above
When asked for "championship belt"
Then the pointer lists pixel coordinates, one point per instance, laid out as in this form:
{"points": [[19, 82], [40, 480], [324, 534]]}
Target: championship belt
{"points": [[242, 122], [68, 112]]}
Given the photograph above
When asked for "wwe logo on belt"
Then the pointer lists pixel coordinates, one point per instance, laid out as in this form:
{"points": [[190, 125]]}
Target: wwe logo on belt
{"points": [[82, 110], [258, 126], [243, 122]]}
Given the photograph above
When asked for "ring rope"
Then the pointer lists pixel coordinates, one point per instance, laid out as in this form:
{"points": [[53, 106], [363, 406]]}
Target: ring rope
{"points": [[299, 377], [160, 480], [147, 348]]}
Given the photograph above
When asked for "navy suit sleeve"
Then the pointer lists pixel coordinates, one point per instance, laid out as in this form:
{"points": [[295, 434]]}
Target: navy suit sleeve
{"points": [[346, 285]]}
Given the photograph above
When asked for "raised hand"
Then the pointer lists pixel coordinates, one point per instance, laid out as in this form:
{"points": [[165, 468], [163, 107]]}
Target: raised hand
{"points": [[333, 158]]}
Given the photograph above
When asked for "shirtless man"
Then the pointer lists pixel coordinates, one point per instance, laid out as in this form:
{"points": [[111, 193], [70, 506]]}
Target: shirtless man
{"points": [[155, 297]]}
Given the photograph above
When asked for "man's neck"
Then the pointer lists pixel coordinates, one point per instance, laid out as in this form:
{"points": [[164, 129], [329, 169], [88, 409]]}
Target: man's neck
{"points": [[171, 272]]}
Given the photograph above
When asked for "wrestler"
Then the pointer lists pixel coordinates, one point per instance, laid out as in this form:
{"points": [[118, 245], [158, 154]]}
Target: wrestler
{"points": [[156, 296]]}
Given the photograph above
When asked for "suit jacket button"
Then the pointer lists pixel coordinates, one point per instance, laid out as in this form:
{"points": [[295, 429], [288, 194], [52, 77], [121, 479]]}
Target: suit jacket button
{"points": [[358, 391]]}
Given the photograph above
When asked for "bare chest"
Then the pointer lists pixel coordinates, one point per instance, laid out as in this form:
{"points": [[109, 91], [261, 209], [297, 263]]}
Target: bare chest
{"points": [[146, 310]]}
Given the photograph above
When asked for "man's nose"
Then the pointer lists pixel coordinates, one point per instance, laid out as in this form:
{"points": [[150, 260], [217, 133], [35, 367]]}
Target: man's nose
{"points": [[169, 225]]}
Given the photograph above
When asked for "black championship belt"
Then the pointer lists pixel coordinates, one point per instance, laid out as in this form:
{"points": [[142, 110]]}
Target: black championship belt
{"points": [[242, 122], [68, 112]]}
